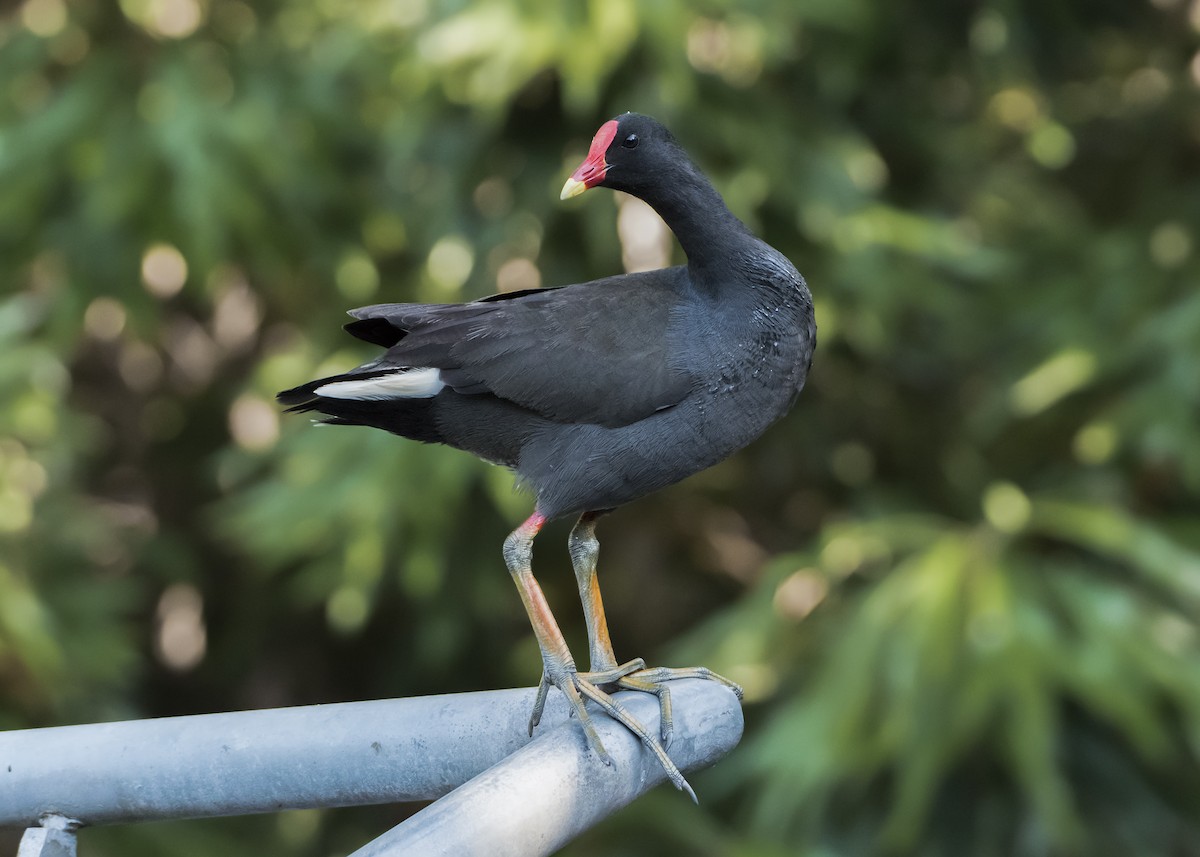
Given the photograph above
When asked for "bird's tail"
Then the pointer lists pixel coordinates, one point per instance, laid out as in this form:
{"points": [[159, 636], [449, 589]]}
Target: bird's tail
{"points": [[410, 417]]}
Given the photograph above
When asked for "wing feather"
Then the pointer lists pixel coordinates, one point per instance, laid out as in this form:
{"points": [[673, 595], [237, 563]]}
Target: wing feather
{"points": [[595, 353]]}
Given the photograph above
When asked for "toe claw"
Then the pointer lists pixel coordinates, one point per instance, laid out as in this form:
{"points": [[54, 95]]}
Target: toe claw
{"points": [[689, 791], [539, 704]]}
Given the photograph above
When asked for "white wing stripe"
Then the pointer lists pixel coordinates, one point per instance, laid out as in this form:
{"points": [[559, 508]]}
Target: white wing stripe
{"points": [[405, 384]]}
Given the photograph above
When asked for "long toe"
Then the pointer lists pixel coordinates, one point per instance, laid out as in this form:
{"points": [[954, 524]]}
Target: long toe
{"points": [[655, 680], [574, 689], [659, 675], [577, 687]]}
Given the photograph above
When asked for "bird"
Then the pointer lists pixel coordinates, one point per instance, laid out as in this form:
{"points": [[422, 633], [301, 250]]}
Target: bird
{"points": [[598, 393]]}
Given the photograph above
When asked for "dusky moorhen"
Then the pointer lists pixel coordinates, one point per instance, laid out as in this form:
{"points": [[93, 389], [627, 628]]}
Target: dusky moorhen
{"points": [[598, 393]]}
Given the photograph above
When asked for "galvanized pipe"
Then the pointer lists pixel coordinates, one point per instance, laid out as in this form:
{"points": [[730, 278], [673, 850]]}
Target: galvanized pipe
{"points": [[361, 753], [347, 754], [547, 793]]}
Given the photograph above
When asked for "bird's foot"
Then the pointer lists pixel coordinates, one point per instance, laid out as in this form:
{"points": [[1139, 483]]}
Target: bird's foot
{"points": [[577, 687], [635, 675], [597, 685]]}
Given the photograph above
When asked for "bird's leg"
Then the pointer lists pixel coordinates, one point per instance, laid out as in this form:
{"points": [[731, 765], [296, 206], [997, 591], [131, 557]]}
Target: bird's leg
{"points": [[603, 670], [602, 667], [584, 549], [556, 657], [558, 667]]}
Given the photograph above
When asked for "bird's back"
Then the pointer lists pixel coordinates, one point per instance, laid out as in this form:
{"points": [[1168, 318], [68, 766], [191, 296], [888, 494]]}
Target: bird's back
{"points": [[745, 351]]}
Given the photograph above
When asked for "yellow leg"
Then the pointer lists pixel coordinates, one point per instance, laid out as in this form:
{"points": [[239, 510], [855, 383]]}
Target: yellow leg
{"points": [[603, 668], [558, 667], [584, 551]]}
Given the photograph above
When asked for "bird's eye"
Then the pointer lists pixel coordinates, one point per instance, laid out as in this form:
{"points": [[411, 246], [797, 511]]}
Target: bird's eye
{"points": [[630, 142]]}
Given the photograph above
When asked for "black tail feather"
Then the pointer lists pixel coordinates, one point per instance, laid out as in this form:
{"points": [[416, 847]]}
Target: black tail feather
{"points": [[377, 331], [412, 418]]}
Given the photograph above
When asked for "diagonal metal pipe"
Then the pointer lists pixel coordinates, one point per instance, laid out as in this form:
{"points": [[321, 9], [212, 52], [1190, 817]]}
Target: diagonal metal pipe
{"points": [[547, 793]]}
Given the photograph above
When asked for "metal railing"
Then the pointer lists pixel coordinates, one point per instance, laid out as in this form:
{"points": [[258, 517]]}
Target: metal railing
{"points": [[498, 792]]}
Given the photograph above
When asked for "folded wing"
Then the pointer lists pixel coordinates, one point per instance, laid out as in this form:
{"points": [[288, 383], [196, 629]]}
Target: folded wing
{"points": [[588, 364]]}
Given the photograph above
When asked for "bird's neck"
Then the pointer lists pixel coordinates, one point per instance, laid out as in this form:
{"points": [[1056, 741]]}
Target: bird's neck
{"points": [[704, 226]]}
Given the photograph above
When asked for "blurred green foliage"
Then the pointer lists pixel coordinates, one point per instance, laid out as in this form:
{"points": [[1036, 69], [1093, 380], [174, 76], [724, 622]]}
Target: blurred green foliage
{"points": [[961, 582]]}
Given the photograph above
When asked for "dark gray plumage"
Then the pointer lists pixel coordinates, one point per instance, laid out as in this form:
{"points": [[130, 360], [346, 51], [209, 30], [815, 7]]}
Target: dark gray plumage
{"points": [[599, 393]]}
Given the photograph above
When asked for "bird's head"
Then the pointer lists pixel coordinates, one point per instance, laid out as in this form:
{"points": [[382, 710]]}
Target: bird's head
{"points": [[625, 153]]}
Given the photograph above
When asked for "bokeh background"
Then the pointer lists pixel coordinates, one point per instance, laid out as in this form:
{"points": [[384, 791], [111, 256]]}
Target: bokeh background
{"points": [[960, 582]]}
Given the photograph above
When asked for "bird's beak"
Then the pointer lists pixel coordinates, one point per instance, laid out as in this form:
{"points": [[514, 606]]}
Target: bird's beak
{"points": [[573, 187], [591, 172]]}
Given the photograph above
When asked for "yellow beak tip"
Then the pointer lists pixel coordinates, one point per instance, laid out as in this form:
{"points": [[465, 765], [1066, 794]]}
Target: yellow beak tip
{"points": [[572, 188]]}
